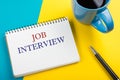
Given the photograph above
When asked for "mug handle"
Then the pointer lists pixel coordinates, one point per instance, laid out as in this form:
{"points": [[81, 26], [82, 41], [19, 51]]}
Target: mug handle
{"points": [[103, 21]]}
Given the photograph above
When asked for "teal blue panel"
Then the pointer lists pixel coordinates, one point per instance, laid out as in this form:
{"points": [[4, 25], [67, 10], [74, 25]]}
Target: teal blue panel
{"points": [[14, 14]]}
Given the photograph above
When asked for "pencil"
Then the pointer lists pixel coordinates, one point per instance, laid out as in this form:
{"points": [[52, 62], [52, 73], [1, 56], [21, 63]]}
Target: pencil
{"points": [[105, 65]]}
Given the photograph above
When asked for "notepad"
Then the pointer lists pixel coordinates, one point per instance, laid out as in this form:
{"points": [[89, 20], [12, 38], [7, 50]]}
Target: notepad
{"points": [[42, 46]]}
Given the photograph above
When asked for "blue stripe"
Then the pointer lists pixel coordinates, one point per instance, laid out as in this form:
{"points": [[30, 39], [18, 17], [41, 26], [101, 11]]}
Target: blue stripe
{"points": [[14, 14]]}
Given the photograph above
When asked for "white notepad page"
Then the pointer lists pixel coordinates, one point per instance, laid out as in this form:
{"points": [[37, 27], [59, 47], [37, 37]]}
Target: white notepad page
{"points": [[41, 47]]}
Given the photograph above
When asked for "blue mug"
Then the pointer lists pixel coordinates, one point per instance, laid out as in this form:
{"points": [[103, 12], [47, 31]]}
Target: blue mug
{"points": [[99, 18]]}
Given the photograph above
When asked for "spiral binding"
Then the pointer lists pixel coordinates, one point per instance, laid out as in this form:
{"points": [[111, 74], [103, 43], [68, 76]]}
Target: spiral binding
{"points": [[57, 20]]}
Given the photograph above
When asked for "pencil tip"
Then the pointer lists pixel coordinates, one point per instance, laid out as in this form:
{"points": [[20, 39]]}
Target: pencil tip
{"points": [[92, 49]]}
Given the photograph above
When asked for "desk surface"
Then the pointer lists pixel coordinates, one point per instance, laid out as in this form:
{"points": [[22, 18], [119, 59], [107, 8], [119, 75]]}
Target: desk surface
{"points": [[108, 45], [26, 12]]}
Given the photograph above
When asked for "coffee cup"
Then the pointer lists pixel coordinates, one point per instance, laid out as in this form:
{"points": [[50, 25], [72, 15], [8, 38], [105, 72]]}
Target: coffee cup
{"points": [[95, 13]]}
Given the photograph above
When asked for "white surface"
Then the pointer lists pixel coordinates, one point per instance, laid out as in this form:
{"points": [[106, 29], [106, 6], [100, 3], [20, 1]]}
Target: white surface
{"points": [[45, 58]]}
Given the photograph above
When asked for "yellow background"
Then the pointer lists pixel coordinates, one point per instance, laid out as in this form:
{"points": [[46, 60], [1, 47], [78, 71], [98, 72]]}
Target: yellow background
{"points": [[108, 45]]}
